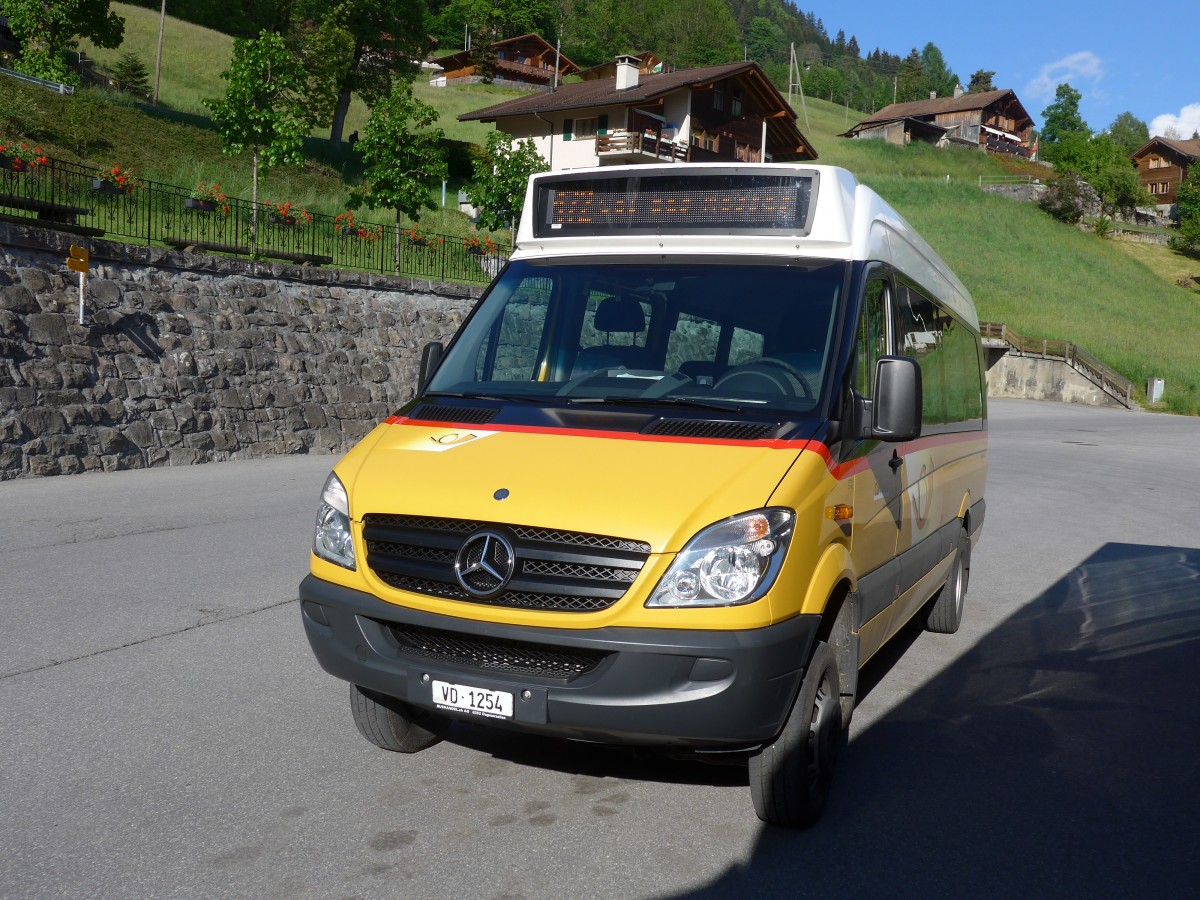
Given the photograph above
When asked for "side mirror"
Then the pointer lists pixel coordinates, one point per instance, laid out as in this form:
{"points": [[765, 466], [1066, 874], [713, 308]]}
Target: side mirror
{"points": [[896, 408], [431, 355]]}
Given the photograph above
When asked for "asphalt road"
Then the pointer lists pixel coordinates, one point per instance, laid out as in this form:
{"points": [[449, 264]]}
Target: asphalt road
{"points": [[165, 732]]}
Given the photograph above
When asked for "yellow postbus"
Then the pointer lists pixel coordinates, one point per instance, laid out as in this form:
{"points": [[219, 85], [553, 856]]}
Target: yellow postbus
{"points": [[712, 437]]}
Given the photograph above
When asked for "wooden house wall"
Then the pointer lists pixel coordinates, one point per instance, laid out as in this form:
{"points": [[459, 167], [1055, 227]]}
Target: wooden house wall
{"points": [[966, 122], [1171, 173]]}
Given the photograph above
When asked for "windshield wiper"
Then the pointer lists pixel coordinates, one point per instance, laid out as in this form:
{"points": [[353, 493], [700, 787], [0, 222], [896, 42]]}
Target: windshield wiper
{"points": [[474, 395], [659, 401]]}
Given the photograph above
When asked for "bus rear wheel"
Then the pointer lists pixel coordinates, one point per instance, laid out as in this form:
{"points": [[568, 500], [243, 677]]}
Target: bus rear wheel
{"points": [[944, 614]]}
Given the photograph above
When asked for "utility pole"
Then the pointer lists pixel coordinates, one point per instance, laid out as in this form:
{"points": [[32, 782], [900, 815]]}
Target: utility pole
{"points": [[162, 26], [794, 81]]}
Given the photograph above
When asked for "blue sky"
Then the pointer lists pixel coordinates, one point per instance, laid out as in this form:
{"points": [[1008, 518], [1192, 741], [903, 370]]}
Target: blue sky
{"points": [[1120, 56]]}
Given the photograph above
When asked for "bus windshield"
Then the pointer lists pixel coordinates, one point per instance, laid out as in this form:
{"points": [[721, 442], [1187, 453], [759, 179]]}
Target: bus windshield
{"points": [[723, 334]]}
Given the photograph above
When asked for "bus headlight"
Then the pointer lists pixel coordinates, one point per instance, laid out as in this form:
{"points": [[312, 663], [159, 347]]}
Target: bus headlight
{"points": [[731, 562], [332, 539]]}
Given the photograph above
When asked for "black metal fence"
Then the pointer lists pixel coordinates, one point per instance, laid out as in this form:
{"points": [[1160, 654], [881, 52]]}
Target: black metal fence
{"points": [[72, 198]]}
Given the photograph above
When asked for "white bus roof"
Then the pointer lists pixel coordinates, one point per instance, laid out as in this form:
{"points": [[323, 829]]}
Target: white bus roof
{"points": [[833, 216]]}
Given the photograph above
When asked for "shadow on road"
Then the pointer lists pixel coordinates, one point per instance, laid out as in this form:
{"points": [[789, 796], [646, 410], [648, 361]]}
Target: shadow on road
{"points": [[1058, 758]]}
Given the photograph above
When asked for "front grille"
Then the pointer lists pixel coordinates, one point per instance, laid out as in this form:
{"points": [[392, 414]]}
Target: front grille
{"points": [[553, 571], [701, 428], [495, 654], [469, 415]]}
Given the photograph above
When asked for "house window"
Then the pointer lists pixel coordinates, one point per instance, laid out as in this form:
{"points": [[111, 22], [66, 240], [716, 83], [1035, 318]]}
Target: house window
{"points": [[585, 128], [736, 104], [706, 140], [718, 98]]}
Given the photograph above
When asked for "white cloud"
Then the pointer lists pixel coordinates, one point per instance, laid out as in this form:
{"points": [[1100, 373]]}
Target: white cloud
{"points": [[1184, 125], [1073, 69]]}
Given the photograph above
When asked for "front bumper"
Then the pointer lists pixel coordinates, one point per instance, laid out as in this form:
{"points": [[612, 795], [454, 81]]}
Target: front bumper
{"points": [[700, 689]]}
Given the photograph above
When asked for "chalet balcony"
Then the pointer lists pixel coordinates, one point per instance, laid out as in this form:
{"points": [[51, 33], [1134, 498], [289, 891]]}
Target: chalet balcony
{"points": [[636, 145], [536, 73], [1008, 148]]}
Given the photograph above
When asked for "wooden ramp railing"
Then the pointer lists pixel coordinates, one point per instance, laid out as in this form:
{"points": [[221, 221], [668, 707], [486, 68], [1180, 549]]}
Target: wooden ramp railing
{"points": [[1112, 382]]}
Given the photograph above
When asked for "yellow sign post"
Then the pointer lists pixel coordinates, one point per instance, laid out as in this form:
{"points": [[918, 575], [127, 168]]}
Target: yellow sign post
{"points": [[77, 261]]}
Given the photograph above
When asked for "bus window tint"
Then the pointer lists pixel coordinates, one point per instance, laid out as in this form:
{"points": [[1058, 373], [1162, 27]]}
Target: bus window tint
{"points": [[508, 353], [595, 329], [948, 357], [872, 336]]}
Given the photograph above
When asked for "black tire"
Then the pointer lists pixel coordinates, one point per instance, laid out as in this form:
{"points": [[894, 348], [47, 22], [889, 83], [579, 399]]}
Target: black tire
{"points": [[790, 779], [393, 725], [945, 610]]}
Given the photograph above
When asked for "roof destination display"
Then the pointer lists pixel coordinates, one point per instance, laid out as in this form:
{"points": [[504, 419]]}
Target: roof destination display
{"points": [[727, 201]]}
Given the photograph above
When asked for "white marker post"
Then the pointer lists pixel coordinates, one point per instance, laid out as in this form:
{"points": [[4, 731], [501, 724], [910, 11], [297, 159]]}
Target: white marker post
{"points": [[78, 262]]}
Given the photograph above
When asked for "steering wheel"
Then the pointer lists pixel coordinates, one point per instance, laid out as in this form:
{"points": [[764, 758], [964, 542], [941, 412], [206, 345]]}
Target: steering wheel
{"points": [[746, 368]]}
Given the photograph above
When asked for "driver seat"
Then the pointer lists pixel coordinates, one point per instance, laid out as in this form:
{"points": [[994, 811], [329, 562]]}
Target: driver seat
{"points": [[622, 315]]}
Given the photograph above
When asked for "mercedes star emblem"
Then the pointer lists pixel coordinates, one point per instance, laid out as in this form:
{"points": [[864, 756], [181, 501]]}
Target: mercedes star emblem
{"points": [[484, 564]]}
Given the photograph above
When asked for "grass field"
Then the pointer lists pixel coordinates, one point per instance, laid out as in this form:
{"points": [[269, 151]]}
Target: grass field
{"points": [[1117, 300]]}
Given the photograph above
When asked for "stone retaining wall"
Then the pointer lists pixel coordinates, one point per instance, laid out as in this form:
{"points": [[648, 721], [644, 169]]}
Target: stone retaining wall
{"points": [[186, 358]]}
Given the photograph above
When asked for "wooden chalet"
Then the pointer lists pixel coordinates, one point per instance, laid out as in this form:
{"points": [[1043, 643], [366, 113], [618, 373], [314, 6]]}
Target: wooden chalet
{"points": [[1163, 165], [722, 113], [991, 120], [648, 64], [527, 60]]}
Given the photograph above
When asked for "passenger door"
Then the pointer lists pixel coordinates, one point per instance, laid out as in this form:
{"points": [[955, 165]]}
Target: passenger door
{"points": [[920, 336], [878, 482]]}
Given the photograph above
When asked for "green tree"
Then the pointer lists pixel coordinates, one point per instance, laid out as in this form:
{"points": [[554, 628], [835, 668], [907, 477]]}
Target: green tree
{"points": [[131, 75], [402, 153], [1187, 202], [263, 109], [765, 41], [501, 175], [911, 79], [981, 81], [1061, 119], [44, 29], [938, 76], [1104, 165], [699, 33], [1129, 132], [358, 47], [1114, 178]]}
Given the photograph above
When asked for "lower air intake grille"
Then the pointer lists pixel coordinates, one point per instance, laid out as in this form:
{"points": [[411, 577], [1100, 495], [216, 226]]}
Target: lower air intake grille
{"points": [[495, 655]]}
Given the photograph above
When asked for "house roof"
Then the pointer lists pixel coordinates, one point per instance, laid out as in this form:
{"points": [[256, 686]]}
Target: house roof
{"points": [[783, 134], [1190, 150], [463, 57], [940, 105]]}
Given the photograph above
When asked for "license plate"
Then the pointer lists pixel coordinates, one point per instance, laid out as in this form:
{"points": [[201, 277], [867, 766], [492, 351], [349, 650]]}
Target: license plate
{"points": [[480, 701]]}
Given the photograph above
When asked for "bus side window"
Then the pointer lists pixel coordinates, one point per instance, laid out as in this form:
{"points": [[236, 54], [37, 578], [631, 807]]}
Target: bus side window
{"points": [[921, 332], [872, 336]]}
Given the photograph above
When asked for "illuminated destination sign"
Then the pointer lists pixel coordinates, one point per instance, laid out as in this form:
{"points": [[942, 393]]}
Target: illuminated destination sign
{"points": [[696, 201]]}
